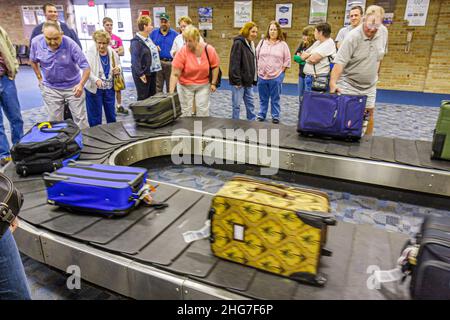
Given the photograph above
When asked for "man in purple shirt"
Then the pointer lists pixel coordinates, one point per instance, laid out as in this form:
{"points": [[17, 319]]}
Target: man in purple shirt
{"points": [[60, 59]]}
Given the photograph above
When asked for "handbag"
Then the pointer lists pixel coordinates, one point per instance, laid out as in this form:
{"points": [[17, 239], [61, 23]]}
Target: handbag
{"points": [[119, 81], [321, 83], [219, 76]]}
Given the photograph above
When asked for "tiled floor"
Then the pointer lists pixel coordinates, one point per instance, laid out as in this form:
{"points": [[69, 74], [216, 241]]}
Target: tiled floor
{"points": [[404, 121]]}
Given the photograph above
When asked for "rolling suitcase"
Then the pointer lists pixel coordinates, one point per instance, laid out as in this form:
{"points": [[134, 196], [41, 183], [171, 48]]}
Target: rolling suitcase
{"points": [[11, 201], [441, 137], [332, 115], [271, 227], [95, 188], [46, 147], [157, 111], [430, 265]]}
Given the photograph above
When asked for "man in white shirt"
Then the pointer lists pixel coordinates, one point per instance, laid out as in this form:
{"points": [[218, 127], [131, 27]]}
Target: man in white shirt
{"points": [[355, 14]]}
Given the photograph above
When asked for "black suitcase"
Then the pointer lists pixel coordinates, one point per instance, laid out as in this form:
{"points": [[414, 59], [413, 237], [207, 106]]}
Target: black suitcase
{"points": [[431, 274], [46, 147], [11, 201], [157, 111]]}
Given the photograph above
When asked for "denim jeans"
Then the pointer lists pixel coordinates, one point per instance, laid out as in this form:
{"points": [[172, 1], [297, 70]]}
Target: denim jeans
{"points": [[95, 103], [309, 80], [9, 103], [301, 87], [246, 94], [270, 89], [13, 281]]}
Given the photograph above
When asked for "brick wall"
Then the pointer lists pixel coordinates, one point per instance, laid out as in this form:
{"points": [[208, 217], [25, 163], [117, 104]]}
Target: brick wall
{"points": [[424, 68], [11, 18]]}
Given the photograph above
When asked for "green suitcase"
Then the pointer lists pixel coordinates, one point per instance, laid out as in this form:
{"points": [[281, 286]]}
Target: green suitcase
{"points": [[441, 138]]}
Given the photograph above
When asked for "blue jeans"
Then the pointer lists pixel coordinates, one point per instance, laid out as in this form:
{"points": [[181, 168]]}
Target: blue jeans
{"points": [[270, 89], [245, 93], [13, 281], [309, 80], [9, 102], [96, 102], [301, 87]]}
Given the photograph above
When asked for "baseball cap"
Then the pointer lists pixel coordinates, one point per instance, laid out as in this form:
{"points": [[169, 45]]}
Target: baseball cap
{"points": [[164, 16]]}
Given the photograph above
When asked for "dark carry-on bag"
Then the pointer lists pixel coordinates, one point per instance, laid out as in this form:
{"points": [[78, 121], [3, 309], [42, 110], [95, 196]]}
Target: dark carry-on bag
{"points": [[11, 201], [428, 260], [46, 147], [95, 188], [332, 115], [157, 111], [441, 137]]}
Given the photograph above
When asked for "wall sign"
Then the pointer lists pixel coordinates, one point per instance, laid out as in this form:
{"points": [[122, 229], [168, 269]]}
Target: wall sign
{"points": [[205, 15], [180, 11], [284, 15], [33, 15], [242, 13], [156, 12], [416, 12], [318, 11]]}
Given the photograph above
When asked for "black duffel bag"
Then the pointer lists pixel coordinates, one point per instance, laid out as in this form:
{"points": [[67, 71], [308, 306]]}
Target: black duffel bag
{"points": [[11, 201]]}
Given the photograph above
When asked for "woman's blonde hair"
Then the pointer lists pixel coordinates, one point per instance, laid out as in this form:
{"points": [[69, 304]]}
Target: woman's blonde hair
{"points": [[101, 35], [191, 32], [280, 35], [245, 30], [143, 21], [185, 19]]}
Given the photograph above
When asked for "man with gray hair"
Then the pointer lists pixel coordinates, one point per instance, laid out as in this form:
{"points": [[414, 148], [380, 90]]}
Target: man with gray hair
{"points": [[357, 62], [56, 60]]}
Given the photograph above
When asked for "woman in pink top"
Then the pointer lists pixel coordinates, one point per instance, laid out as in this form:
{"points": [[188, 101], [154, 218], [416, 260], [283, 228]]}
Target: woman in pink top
{"points": [[273, 59], [190, 73]]}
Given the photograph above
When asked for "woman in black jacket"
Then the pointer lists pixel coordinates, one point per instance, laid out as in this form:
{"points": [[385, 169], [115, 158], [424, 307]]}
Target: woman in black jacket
{"points": [[144, 59], [242, 72]]}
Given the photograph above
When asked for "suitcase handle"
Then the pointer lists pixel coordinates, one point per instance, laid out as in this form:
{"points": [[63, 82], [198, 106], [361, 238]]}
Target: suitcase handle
{"points": [[271, 190]]}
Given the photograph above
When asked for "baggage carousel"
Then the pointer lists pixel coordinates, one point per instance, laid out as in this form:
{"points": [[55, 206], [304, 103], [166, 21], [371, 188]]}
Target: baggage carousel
{"points": [[143, 255]]}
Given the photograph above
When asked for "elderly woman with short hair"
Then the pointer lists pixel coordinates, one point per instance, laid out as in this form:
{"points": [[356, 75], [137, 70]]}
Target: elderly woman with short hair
{"points": [[190, 73], [100, 94]]}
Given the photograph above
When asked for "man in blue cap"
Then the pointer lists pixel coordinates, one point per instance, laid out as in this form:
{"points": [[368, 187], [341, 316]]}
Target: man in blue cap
{"points": [[163, 37]]}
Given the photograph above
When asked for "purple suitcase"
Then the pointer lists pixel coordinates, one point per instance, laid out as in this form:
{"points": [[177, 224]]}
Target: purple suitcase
{"points": [[338, 116]]}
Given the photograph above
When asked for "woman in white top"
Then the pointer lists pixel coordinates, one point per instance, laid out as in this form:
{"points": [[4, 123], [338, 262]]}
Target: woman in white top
{"points": [[179, 41], [100, 94], [319, 59]]}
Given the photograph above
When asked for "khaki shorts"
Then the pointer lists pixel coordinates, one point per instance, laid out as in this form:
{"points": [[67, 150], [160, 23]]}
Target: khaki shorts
{"points": [[371, 93]]}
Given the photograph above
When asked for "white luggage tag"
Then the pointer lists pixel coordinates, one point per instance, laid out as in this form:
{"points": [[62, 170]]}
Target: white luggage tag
{"points": [[203, 233]]}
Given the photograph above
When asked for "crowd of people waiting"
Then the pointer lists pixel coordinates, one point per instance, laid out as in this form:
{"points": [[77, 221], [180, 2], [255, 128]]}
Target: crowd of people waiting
{"points": [[185, 63]]}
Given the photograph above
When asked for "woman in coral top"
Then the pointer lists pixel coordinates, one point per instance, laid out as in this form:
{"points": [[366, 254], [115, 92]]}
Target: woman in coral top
{"points": [[190, 73], [273, 59]]}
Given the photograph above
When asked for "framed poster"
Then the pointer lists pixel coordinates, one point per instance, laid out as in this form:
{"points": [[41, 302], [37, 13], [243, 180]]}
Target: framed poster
{"points": [[156, 12], [28, 17], [350, 4], [242, 13], [284, 15], [318, 11], [180, 11], [205, 15], [416, 12]]}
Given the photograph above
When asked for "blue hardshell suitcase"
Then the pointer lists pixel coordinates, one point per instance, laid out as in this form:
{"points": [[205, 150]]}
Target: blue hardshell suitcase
{"points": [[95, 188], [47, 146], [332, 115]]}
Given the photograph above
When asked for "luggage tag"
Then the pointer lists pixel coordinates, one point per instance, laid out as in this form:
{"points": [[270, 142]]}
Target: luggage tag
{"points": [[147, 198], [203, 233]]}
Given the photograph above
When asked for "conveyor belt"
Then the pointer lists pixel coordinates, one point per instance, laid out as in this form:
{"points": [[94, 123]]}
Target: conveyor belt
{"points": [[154, 237]]}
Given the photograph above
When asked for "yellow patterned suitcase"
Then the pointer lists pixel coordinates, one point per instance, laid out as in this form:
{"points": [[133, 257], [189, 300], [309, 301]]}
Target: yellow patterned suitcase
{"points": [[271, 227]]}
